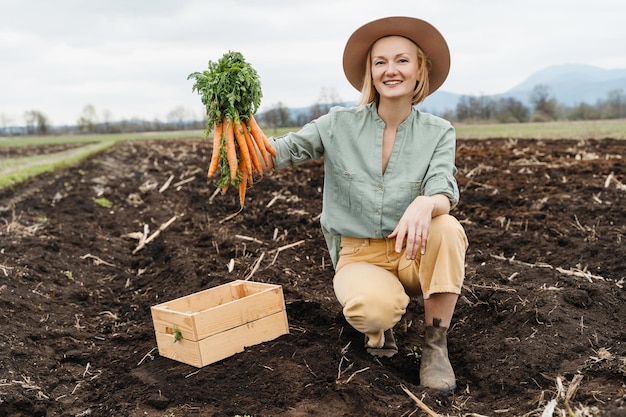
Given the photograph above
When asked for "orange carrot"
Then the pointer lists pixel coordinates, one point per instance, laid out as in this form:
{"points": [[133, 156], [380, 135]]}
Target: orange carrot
{"points": [[218, 128], [231, 152], [257, 131], [258, 141], [264, 153], [245, 165], [269, 147], [243, 183], [254, 156]]}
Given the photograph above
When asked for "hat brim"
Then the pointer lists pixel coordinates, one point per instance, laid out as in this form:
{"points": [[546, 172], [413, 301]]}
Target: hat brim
{"points": [[422, 33]]}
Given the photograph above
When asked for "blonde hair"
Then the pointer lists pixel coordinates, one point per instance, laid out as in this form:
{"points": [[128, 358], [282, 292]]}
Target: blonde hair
{"points": [[369, 93]]}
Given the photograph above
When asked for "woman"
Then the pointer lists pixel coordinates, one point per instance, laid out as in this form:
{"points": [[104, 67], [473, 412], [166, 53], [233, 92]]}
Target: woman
{"points": [[388, 189]]}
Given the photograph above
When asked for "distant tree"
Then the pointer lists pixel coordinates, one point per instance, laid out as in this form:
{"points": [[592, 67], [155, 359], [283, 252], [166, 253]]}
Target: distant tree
{"points": [[43, 124], [301, 119], [485, 107], [88, 120], [327, 99], [277, 116], [449, 115], [545, 106], [511, 110], [475, 108], [107, 119], [463, 110], [583, 111], [29, 121], [318, 110], [614, 107], [36, 122], [179, 116]]}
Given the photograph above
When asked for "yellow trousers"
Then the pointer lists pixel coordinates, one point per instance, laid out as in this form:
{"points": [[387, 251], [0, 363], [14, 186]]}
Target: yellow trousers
{"points": [[374, 284]]}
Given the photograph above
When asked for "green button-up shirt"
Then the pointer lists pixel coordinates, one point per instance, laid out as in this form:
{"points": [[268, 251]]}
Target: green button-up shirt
{"points": [[358, 199]]}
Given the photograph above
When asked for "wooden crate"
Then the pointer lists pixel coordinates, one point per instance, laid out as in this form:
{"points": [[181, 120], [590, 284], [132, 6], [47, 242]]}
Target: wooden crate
{"points": [[218, 322]]}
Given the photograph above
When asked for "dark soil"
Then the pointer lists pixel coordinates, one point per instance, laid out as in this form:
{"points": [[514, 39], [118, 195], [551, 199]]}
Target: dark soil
{"points": [[543, 302]]}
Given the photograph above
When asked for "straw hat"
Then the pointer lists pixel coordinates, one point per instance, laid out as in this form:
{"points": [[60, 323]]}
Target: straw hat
{"points": [[419, 31]]}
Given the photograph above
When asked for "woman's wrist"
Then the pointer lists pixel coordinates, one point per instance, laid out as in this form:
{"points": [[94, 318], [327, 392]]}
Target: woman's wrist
{"points": [[439, 203]]}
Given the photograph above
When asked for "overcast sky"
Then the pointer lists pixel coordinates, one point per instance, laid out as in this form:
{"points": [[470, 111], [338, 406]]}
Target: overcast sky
{"points": [[131, 58]]}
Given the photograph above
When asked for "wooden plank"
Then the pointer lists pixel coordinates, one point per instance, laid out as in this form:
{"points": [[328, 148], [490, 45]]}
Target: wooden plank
{"points": [[225, 344], [238, 312], [199, 301], [222, 345]]}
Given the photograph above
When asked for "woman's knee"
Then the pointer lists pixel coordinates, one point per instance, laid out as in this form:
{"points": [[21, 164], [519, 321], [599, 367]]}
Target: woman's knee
{"points": [[370, 294], [375, 313], [447, 227]]}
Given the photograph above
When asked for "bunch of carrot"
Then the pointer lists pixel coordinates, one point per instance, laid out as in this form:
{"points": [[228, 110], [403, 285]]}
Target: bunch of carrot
{"points": [[231, 91], [235, 144]]}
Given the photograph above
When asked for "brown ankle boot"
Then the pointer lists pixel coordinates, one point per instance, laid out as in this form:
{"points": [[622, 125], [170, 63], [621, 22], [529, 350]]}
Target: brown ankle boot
{"points": [[435, 369]]}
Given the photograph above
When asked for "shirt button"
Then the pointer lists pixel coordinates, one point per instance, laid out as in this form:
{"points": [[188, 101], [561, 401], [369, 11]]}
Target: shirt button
{"points": [[378, 212], [380, 187]]}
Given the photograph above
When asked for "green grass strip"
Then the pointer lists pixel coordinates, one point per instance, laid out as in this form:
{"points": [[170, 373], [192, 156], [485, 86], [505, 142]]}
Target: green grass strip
{"points": [[16, 170], [112, 137], [577, 130]]}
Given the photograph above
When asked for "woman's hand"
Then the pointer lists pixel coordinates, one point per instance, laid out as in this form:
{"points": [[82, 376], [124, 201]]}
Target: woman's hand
{"points": [[415, 222]]}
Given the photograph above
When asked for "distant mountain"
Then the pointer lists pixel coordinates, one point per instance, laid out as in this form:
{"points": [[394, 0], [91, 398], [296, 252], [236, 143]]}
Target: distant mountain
{"points": [[571, 75], [574, 84], [569, 84], [439, 102]]}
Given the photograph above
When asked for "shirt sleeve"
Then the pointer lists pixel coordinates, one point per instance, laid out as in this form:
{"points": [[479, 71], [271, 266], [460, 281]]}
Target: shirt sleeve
{"points": [[295, 148], [440, 176]]}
